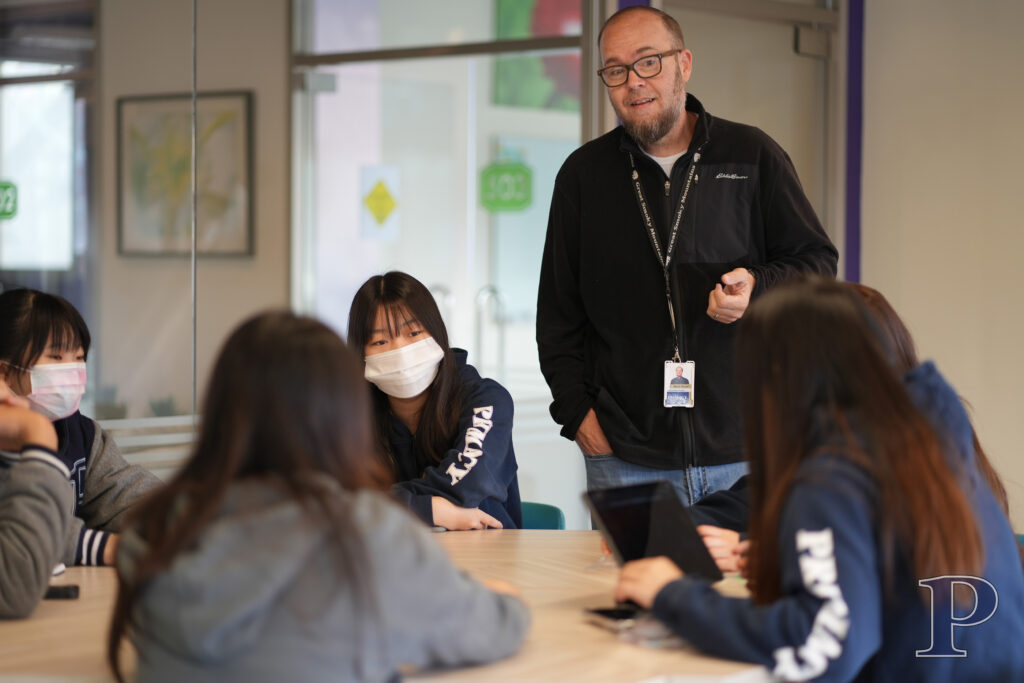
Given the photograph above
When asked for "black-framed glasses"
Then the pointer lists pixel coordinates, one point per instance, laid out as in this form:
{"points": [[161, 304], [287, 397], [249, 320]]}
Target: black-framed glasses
{"points": [[645, 67]]}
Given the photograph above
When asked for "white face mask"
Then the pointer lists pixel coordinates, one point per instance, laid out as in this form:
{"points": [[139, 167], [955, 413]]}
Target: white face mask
{"points": [[405, 372], [56, 388]]}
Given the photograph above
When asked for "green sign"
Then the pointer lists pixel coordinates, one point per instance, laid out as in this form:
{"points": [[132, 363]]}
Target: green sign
{"points": [[506, 186], [8, 199]]}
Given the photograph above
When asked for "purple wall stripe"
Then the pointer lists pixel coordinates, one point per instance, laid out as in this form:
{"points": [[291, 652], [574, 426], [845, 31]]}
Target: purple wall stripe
{"points": [[854, 134]]}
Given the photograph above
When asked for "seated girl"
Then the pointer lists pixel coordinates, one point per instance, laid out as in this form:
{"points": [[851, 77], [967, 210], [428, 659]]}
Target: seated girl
{"points": [[273, 556], [43, 346], [724, 515], [446, 431], [35, 505], [862, 487]]}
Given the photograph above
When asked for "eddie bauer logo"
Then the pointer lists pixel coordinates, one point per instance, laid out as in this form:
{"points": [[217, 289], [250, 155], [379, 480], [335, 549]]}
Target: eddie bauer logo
{"points": [[731, 176], [945, 619]]}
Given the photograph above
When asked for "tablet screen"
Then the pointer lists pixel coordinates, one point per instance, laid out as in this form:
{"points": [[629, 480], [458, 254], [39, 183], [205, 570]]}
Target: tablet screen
{"points": [[648, 520]]}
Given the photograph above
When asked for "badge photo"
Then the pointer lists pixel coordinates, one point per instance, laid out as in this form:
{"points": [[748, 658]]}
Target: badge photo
{"points": [[679, 384]]}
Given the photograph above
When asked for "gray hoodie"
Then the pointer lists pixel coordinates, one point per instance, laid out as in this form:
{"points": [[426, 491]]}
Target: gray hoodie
{"points": [[35, 512], [110, 488], [261, 598]]}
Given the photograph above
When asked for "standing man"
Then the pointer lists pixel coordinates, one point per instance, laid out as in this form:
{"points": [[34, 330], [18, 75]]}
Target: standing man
{"points": [[659, 234]]}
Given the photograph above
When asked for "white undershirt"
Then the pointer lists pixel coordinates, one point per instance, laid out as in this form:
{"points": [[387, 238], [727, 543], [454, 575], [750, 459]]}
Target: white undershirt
{"points": [[666, 163]]}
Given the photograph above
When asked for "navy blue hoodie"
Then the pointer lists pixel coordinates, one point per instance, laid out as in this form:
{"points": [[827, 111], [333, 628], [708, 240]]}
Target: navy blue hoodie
{"points": [[835, 621], [479, 470]]}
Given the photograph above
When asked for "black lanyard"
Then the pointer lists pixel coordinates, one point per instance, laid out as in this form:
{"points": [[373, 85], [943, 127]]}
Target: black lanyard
{"points": [[664, 258]]}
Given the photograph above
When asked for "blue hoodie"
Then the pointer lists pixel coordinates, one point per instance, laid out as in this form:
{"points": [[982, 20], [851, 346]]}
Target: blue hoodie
{"points": [[479, 470], [835, 621]]}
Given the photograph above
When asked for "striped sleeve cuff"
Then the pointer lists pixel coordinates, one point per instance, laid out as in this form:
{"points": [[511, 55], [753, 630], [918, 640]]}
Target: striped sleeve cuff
{"points": [[91, 544], [31, 452]]}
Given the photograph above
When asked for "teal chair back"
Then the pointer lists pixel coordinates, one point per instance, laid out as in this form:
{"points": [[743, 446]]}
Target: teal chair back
{"points": [[542, 516], [1020, 537]]}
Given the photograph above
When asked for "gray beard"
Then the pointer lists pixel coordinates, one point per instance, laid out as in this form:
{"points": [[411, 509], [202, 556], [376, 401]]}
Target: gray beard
{"points": [[646, 133]]}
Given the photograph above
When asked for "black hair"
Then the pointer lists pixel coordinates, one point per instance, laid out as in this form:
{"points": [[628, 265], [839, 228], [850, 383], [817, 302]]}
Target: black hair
{"points": [[30, 320]]}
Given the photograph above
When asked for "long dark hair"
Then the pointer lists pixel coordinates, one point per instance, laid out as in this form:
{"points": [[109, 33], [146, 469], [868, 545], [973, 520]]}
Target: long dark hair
{"points": [[30, 319], [286, 403], [901, 345], [810, 356], [402, 298]]}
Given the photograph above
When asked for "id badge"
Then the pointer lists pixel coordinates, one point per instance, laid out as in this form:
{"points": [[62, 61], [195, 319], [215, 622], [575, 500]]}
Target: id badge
{"points": [[679, 384]]}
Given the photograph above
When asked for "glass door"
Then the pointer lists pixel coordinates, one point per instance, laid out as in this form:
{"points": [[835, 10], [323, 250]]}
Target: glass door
{"points": [[440, 161]]}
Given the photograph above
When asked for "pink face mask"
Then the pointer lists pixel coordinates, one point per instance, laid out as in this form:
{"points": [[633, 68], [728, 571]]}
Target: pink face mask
{"points": [[57, 388]]}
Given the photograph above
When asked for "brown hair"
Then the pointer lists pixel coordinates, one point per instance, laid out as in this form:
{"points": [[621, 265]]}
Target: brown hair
{"points": [[671, 25], [812, 356], [286, 402], [901, 345], [402, 298]]}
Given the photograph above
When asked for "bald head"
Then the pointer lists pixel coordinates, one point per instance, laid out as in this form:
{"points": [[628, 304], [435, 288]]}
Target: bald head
{"points": [[670, 24]]}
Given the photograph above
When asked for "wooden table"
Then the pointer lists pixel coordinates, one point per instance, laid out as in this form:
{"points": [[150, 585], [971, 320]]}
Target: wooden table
{"points": [[63, 639], [559, 573]]}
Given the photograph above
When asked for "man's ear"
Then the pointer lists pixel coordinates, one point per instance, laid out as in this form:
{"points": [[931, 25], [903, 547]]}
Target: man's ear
{"points": [[685, 58]]}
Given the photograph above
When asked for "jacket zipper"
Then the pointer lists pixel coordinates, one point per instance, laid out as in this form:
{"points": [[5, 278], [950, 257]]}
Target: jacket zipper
{"points": [[686, 415]]}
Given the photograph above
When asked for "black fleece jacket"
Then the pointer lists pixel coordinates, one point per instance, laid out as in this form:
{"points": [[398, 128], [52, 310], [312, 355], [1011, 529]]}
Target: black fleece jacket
{"points": [[603, 330]]}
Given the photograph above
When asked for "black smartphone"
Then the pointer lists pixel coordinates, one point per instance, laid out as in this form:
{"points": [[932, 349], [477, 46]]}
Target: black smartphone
{"points": [[616, 618], [615, 612], [65, 592]]}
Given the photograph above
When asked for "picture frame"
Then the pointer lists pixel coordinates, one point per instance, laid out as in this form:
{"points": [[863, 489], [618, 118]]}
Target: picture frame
{"points": [[154, 147]]}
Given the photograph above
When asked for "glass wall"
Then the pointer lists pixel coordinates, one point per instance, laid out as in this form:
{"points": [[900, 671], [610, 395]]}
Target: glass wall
{"points": [[65, 70], [46, 61], [96, 188]]}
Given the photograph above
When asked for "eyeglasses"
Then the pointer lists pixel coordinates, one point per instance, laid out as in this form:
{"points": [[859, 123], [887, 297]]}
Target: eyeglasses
{"points": [[645, 67]]}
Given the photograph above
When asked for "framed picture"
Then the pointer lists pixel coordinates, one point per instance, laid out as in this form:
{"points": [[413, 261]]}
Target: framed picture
{"points": [[154, 181]]}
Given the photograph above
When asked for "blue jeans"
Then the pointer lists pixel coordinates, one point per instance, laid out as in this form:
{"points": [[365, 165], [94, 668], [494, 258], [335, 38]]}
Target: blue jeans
{"points": [[692, 484]]}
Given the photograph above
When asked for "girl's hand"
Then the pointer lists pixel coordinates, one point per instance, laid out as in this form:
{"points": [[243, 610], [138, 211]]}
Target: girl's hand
{"points": [[19, 425], [642, 580], [503, 587], [721, 544], [110, 551], [455, 518]]}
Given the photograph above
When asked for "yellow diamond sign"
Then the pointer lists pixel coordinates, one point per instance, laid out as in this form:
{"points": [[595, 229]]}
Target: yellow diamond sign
{"points": [[380, 202]]}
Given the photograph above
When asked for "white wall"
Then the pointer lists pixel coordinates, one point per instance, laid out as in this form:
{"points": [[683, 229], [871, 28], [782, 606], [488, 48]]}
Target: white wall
{"points": [[942, 228], [144, 322]]}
